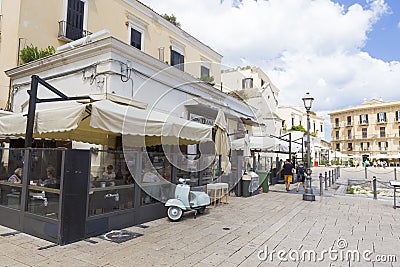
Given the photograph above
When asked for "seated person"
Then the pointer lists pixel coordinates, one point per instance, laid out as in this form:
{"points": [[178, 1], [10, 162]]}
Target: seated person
{"points": [[108, 175], [166, 174], [51, 177], [16, 177], [150, 177]]}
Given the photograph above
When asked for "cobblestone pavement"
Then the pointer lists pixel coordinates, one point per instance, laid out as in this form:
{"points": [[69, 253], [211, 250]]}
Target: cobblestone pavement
{"points": [[236, 234]]}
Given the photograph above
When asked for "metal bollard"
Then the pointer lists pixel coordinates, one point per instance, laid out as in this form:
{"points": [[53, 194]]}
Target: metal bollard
{"points": [[329, 180], [321, 191], [366, 173], [374, 187], [326, 182], [395, 174]]}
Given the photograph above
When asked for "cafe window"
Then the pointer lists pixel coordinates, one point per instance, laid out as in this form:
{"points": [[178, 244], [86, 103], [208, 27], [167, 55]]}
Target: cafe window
{"points": [[364, 132], [382, 132], [111, 181], [11, 177], [247, 83]]}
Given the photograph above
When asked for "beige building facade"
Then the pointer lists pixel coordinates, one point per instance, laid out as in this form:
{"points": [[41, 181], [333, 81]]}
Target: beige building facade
{"points": [[368, 131], [44, 23]]}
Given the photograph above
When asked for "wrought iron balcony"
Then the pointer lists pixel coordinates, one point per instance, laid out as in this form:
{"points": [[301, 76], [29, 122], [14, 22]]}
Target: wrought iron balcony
{"points": [[68, 32]]}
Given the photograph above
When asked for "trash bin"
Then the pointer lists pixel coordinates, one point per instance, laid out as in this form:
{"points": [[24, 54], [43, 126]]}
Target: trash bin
{"points": [[264, 183], [239, 188], [250, 184]]}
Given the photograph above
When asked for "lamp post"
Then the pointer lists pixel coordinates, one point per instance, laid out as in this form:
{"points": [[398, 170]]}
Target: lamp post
{"points": [[308, 194]]}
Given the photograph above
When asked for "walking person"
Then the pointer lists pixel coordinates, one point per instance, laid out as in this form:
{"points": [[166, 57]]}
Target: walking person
{"points": [[300, 176], [287, 170]]}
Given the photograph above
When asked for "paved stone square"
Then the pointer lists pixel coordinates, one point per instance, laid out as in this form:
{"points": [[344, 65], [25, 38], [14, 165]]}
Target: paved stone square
{"points": [[236, 234]]}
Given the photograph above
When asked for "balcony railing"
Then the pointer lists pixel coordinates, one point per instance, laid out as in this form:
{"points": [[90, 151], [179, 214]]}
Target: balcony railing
{"points": [[348, 124], [69, 32], [381, 121], [363, 122]]}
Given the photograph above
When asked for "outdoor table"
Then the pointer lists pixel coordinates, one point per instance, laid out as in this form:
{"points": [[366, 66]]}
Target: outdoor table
{"points": [[395, 184]]}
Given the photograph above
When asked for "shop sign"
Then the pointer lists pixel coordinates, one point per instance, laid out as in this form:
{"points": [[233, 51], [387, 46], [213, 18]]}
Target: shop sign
{"points": [[201, 119]]}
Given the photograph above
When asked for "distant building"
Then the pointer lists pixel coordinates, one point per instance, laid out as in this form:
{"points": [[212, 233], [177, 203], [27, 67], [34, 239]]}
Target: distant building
{"points": [[370, 130], [257, 90], [297, 116]]}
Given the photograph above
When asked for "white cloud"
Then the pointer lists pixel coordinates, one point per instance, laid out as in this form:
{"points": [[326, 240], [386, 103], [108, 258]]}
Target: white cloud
{"points": [[303, 45], [398, 25]]}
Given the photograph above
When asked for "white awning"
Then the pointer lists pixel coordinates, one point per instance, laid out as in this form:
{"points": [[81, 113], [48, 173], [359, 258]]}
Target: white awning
{"points": [[96, 122], [266, 143]]}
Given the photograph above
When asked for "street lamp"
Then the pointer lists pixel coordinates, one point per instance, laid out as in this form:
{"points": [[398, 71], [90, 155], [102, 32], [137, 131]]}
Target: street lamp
{"points": [[308, 194]]}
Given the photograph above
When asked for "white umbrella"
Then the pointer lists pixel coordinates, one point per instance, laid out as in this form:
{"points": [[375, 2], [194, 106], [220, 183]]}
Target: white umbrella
{"points": [[222, 146], [246, 147]]}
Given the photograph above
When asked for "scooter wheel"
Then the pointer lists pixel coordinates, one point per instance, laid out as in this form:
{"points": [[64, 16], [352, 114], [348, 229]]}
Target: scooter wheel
{"points": [[202, 210], [174, 213]]}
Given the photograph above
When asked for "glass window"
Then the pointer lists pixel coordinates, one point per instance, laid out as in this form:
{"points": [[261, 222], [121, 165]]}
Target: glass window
{"points": [[112, 185], [349, 146], [382, 132], [11, 177], [348, 120], [348, 134], [398, 115], [44, 182], [381, 116], [247, 83], [177, 60], [364, 118], [364, 132], [136, 39], [75, 15], [336, 122], [205, 72], [337, 147], [337, 135]]}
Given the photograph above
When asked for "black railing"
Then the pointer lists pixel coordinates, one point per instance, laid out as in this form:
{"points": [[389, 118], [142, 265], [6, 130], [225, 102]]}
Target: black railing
{"points": [[69, 32]]}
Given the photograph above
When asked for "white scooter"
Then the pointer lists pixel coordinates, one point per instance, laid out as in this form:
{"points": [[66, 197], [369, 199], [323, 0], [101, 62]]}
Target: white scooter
{"points": [[186, 200]]}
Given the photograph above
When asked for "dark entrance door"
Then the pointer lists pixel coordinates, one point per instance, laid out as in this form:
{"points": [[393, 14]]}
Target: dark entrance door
{"points": [[75, 14]]}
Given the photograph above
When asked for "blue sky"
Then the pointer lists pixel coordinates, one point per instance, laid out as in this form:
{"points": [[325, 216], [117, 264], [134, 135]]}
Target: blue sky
{"points": [[341, 51], [384, 39]]}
